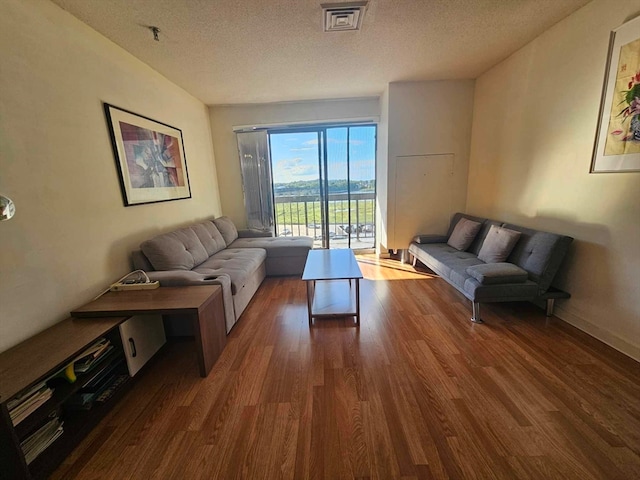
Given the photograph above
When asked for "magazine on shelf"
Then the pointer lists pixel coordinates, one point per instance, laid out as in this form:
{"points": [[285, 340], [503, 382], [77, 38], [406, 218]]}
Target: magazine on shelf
{"points": [[41, 439], [23, 406], [85, 361], [103, 379]]}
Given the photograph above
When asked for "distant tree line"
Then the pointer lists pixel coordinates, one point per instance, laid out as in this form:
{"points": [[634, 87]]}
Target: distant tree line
{"points": [[312, 187]]}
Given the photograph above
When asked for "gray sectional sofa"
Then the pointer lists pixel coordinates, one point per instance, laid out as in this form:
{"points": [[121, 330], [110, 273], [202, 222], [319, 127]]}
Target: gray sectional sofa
{"points": [[525, 274], [215, 252]]}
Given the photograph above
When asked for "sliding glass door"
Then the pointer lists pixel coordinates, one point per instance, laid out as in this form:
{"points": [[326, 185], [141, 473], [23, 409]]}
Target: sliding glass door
{"points": [[324, 184]]}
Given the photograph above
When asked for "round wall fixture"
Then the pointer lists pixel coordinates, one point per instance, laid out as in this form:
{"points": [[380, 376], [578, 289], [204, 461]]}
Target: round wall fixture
{"points": [[7, 208]]}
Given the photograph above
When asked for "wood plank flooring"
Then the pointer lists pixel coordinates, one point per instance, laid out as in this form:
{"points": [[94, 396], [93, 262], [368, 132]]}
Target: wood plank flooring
{"points": [[416, 392]]}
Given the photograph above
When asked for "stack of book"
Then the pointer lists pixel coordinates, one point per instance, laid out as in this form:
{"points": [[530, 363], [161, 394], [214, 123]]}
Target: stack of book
{"points": [[37, 442], [28, 402], [92, 355], [99, 387]]}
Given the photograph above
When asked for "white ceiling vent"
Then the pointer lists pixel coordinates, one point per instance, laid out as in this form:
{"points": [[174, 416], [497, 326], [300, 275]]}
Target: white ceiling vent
{"points": [[343, 16]]}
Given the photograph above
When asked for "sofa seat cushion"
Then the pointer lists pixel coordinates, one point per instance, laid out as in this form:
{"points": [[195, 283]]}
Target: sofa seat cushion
{"points": [[238, 263], [277, 246], [178, 250], [498, 273], [445, 260]]}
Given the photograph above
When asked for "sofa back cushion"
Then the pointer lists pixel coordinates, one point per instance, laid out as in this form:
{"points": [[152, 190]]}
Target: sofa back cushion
{"points": [[179, 250], [209, 236], [140, 262], [227, 229], [539, 253]]}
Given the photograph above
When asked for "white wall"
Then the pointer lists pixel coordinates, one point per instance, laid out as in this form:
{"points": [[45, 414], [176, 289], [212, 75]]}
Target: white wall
{"points": [[534, 126], [426, 119], [224, 118], [71, 235], [382, 173]]}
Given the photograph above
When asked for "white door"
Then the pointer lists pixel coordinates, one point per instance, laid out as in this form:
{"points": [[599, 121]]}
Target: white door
{"points": [[142, 336]]}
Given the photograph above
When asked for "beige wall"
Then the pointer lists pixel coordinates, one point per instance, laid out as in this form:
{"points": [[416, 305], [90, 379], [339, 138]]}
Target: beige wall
{"points": [[426, 119], [534, 127], [224, 118], [72, 236]]}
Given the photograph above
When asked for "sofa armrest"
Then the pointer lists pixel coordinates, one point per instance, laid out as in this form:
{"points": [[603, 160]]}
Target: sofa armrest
{"points": [[188, 278], [251, 233], [430, 239], [498, 273], [180, 278]]}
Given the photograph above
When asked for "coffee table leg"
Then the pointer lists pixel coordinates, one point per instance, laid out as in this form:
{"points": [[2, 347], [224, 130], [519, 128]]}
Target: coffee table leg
{"points": [[309, 300], [357, 301]]}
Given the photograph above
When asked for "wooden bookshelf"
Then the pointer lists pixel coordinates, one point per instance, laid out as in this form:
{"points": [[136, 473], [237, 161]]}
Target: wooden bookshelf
{"points": [[38, 359]]}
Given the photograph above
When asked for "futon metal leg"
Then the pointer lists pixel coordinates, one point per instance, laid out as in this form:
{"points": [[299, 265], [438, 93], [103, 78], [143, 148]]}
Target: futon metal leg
{"points": [[414, 260], [550, 303], [476, 313]]}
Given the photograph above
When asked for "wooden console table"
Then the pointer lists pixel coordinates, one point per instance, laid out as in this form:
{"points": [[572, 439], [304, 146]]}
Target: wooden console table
{"points": [[202, 305]]}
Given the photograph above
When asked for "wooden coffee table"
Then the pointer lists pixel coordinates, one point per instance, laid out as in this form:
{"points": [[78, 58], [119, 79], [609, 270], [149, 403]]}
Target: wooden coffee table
{"points": [[201, 305], [329, 275]]}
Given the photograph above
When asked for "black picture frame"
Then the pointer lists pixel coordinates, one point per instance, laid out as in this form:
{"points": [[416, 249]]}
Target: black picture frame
{"points": [[150, 158]]}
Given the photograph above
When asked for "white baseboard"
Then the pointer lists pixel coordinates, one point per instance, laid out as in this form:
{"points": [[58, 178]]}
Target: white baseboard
{"points": [[604, 336]]}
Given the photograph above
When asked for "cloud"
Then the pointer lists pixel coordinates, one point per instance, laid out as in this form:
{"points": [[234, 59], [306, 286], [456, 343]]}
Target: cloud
{"points": [[301, 149], [293, 167]]}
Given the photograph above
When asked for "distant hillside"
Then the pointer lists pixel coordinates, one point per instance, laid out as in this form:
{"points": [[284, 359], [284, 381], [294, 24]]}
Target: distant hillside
{"points": [[311, 187]]}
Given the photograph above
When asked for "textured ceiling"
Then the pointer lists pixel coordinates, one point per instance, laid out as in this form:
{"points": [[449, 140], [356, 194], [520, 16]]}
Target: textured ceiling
{"points": [[253, 51]]}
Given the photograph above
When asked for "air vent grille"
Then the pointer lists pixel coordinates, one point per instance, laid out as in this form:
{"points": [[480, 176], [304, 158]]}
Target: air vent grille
{"points": [[339, 17]]}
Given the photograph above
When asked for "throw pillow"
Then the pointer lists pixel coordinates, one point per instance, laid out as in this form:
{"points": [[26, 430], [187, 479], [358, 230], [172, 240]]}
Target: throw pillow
{"points": [[498, 244], [227, 229], [463, 234]]}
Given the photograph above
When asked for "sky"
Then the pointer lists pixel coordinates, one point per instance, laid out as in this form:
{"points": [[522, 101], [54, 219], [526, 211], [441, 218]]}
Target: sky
{"points": [[294, 156]]}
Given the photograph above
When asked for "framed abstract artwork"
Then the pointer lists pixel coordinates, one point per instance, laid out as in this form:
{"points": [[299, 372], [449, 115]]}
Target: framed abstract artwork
{"points": [[149, 157], [617, 146]]}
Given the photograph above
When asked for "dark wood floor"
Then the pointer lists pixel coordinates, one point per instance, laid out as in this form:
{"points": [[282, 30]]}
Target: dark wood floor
{"points": [[417, 391]]}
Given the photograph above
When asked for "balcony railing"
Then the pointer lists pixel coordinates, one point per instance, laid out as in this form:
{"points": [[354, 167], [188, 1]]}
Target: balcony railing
{"points": [[301, 215]]}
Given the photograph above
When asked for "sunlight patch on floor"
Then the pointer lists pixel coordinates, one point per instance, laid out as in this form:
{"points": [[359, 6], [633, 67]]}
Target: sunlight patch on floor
{"points": [[371, 266]]}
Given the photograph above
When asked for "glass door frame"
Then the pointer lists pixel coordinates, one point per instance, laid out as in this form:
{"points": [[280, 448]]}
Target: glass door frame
{"points": [[323, 178]]}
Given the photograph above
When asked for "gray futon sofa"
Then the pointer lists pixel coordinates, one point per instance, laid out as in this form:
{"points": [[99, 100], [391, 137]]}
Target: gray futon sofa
{"points": [[491, 261], [215, 252]]}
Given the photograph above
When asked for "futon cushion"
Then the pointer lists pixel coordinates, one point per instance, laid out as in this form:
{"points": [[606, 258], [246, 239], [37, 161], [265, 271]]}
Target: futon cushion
{"points": [[498, 244], [227, 229], [179, 250], [498, 273], [463, 234]]}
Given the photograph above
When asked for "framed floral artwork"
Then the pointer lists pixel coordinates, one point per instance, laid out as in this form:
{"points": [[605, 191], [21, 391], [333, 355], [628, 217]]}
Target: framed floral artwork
{"points": [[617, 147], [149, 157]]}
